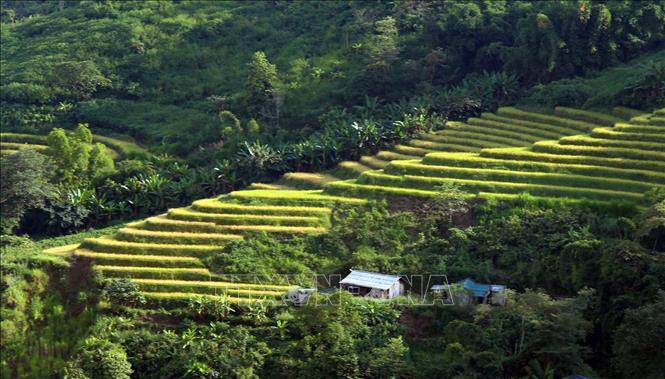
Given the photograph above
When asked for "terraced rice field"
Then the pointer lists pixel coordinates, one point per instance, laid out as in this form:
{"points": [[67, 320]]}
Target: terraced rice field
{"points": [[162, 254], [117, 148], [570, 154], [613, 160]]}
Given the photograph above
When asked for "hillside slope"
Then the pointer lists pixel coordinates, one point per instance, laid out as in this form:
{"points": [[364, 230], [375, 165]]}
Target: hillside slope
{"points": [[495, 156]]}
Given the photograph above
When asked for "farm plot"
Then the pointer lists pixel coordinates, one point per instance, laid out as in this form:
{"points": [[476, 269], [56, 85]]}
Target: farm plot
{"points": [[611, 164], [571, 155]]}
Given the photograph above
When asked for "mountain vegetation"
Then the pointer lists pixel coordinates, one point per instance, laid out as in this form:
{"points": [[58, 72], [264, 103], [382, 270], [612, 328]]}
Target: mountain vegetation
{"points": [[171, 171]]}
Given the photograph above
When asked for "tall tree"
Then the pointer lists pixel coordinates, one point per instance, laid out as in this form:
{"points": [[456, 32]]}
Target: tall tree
{"points": [[638, 342], [77, 160], [383, 48], [262, 96], [24, 185], [77, 80]]}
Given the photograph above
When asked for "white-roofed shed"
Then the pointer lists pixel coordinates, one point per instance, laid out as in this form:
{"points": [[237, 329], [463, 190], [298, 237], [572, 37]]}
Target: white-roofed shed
{"points": [[372, 284]]}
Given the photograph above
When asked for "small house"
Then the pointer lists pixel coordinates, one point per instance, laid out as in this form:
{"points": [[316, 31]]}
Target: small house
{"points": [[468, 290], [374, 285], [493, 294]]}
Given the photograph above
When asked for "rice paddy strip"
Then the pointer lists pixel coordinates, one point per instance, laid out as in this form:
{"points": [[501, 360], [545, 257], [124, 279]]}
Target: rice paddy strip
{"points": [[477, 161], [590, 141], [227, 291], [245, 219], [7, 151], [268, 186], [216, 206], [451, 145], [553, 147], [64, 250], [508, 125], [553, 200], [20, 146], [23, 138], [545, 119], [468, 135], [122, 147], [428, 183], [657, 120], [179, 299], [494, 131], [151, 236], [468, 144], [587, 116], [139, 260], [273, 229], [108, 245], [349, 169], [316, 197], [503, 175], [162, 223], [533, 156], [374, 191], [626, 113], [393, 156], [153, 272], [643, 129], [533, 125], [306, 180], [648, 120], [418, 151], [472, 139], [223, 285], [372, 162], [610, 133]]}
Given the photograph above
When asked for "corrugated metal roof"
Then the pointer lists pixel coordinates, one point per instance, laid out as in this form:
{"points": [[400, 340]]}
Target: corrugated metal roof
{"points": [[479, 289], [370, 279]]}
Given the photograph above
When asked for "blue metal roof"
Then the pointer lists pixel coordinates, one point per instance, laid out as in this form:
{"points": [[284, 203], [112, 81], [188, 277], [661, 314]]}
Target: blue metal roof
{"points": [[480, 290]]}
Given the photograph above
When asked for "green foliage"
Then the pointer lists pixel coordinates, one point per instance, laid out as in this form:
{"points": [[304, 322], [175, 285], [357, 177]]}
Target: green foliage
{"points": [[216, 308], [636, 353], [261, 86], [267, 258], [637, 84], [123, 292], [99, 358], [25, 185], [382, 48], [39, 328], [77, 161]]}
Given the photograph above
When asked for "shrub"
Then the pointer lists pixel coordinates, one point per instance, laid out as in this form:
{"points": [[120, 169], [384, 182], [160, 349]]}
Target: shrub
{"points": [[566, 92], [26, 93], [100, 358], [123, 292]]}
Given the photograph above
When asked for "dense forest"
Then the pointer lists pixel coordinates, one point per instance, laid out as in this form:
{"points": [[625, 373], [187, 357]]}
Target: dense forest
{"points": [[153, 150]]}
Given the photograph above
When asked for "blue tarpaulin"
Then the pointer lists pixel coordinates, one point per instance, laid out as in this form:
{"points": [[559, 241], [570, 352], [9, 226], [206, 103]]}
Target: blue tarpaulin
{"points": [[481, 290]]}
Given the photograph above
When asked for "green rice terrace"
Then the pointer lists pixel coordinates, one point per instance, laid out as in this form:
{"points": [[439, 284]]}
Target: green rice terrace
{"points": [[570, 155], [116, 147]]}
